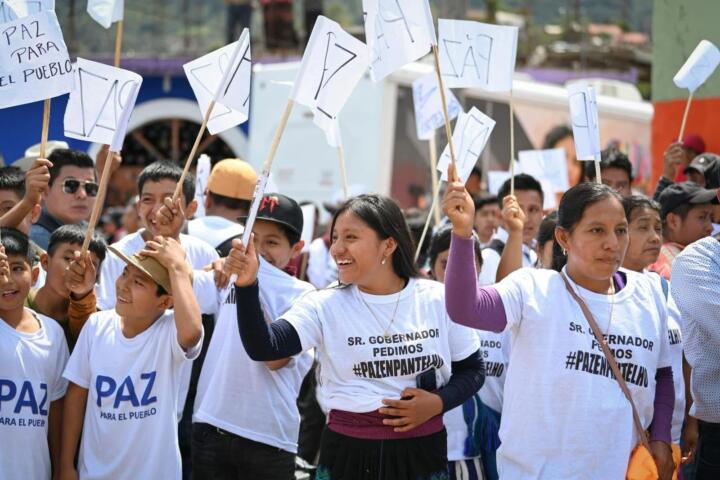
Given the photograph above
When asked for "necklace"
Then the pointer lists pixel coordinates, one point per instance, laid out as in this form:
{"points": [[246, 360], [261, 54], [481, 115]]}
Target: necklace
{"points": [[392, 319]]}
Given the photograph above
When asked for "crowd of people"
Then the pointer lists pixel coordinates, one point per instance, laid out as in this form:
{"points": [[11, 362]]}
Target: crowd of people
{"points": [[523, 344]]}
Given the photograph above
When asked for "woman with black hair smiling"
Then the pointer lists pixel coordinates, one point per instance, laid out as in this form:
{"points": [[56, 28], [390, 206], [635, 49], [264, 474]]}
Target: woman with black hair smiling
{"points": [[564, 413], [390, 360]]}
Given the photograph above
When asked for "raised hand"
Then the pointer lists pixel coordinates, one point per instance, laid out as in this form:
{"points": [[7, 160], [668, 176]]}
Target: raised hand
{"points": [[243, 262], [458, 206], [512, 215], [80, 275]]}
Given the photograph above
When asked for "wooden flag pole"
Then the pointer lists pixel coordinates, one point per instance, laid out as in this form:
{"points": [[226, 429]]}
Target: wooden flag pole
{"points": [[434, 174], [512, 145], [99, 201], [443, 100], [598, 174], [193, 151], [433, 207], [684, 119], [343, 172], [118, 43], [45, 128]]}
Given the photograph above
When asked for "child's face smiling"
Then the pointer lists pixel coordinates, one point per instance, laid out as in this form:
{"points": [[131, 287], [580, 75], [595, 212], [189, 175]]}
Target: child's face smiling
{"points": [[152, 197], [272, 243], [56, 265], [14, 288], [137, 296]]}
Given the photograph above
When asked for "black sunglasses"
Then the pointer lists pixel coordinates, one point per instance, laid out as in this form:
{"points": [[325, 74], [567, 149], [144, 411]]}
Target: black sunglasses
{"points": [[71, 185]]}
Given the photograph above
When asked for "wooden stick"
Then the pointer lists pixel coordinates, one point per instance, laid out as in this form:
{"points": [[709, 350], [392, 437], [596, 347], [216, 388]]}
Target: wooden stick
{"points": [[427, 223], [598, 174], [448, 130], [433, 172], [193, 151], [684, 119], [262, 178], [343, 172], [99, 201], [45, 128], [512, 145], [118, 43]]}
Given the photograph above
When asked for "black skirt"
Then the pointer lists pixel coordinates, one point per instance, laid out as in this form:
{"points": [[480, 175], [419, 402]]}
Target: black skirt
{"points": [[348, 458]]}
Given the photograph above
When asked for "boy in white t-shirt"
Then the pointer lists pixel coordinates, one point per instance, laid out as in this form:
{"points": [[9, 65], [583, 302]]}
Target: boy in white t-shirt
{"points": [[246, 420], [33, 353], [125, 371]]}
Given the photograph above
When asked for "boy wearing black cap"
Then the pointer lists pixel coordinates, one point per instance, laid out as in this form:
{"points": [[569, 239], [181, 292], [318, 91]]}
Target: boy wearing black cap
{"points": [[125, 371], [686, 211], [246, 419], [277, 230]]}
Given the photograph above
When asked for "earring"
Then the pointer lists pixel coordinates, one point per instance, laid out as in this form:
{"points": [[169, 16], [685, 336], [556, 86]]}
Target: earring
{"points": [[564, 252], [383, 261]]}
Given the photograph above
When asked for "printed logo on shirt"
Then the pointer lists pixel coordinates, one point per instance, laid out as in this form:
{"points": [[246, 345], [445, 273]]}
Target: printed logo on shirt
{"points": [[392, 346], [674, 336], [130, 396], [22, 404], [492, 369], [621, 348]]}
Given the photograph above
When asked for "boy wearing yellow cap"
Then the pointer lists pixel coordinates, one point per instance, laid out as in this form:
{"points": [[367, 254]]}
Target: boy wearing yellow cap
{"points": [[125, 371]]}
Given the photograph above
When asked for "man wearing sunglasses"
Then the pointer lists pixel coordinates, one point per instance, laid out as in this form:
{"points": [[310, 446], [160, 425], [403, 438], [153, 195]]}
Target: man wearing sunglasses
{"points": [[70, 195]]}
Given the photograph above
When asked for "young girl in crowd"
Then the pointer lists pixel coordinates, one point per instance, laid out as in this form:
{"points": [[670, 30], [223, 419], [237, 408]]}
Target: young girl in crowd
{"points": [[390, 361], [564, 413]]}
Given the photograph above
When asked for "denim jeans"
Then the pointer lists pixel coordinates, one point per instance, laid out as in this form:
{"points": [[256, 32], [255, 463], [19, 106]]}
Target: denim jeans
{"points": [[708, 457], [220, 455]]}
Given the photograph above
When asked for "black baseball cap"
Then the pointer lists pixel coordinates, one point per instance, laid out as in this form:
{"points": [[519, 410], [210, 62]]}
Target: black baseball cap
{"points": [[279, 208], [707, 165], [683, 193]]}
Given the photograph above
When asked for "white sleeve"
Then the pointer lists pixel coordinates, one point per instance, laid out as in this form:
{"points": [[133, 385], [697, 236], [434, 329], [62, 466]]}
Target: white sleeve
{"points": [[59, 385], [207, 294], [110, 270], [78, 366], [513, 291], [665, 359], [320, 269], [178, 353], [304, 317], [488, 271], [463, 341]]}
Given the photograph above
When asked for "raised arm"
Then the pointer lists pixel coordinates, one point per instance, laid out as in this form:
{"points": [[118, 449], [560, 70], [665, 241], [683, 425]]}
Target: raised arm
{"points": [[468, 305], [512, 256]]}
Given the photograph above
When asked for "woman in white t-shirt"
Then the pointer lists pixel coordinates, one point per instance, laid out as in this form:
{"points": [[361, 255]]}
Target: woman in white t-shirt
{"points": [[645, 227], [564, 414], [390, 361]]}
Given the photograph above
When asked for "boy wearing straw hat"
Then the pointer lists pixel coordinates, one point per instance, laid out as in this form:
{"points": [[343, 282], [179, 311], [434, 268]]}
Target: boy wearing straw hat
{"points": [[125, 371]]}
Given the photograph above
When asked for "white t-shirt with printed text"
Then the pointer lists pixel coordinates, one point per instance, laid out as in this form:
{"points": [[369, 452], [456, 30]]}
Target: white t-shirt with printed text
{"points": [[198, 253], [358, 367], [130, 425], [236, 393], [564, 414], [31, 366]]}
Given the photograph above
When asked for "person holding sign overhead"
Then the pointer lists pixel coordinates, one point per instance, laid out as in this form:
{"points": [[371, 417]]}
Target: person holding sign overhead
{"points": [[390, 361], [591, 429]]}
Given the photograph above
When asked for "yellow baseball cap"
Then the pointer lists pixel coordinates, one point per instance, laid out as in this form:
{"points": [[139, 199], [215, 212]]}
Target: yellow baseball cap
{"points": [[233, 178]]}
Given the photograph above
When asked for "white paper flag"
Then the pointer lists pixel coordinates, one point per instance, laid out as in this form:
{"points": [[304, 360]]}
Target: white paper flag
{"points": [[332, 65], [13, 9], [698, 67], [584, 120], [474, 54], [397, 32], [202, 175], [545, 165], [496, 178], [106, 12], [428, 105], [34, 61], [122, 125], [95, 106], [472, 131], [223, 75]]}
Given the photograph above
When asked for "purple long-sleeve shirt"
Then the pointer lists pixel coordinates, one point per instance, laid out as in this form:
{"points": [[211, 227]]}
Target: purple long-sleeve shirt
{"points": [[482, 308]]}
